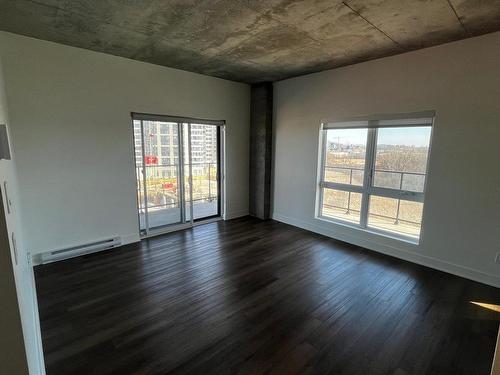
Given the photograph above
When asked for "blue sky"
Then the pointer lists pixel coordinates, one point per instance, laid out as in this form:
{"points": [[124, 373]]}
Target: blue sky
{"points": [[411, 136]]}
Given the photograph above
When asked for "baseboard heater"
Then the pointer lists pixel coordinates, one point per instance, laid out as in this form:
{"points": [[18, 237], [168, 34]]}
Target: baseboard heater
{"points": [[74, 251]]}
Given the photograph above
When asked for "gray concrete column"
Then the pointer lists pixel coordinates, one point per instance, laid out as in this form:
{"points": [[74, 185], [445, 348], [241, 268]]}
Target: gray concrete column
{"points": [[261, 129]]}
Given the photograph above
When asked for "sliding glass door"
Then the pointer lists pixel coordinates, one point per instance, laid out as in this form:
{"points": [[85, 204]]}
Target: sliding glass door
{"points": [[178, 171], [204, 168]]}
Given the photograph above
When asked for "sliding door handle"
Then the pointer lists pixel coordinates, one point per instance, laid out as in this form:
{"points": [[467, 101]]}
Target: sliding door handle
{"points": [[14, 247], [7, 199]]}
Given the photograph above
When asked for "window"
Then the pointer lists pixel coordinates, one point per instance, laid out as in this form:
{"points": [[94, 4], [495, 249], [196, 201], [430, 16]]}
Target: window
{"points": [[165, 128], [373, 174]]}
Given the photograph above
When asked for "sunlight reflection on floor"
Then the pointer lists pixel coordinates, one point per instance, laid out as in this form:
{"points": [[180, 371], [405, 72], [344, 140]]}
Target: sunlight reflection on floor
{"points": [[488, 306]]}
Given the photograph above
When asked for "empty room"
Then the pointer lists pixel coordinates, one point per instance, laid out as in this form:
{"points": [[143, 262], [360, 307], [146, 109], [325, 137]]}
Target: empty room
{"points": [[249, 187]]}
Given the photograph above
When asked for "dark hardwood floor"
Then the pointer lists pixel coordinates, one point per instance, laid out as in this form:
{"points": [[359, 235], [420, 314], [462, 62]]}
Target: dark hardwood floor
{"points": [[253, 297]]}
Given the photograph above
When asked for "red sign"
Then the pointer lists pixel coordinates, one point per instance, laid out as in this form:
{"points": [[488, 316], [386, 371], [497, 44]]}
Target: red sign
{"points": [[151, 159], [168, 185]]}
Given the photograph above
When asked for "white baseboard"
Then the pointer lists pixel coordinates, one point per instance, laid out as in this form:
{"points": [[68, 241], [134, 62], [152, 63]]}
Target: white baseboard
{"points": [[413, 257], [235, 214], [39, 366]]}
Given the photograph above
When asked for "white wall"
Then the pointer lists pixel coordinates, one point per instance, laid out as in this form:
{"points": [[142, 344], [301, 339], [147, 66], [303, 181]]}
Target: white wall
{"points": [[71, 128], [461, 82], [21, 270]]}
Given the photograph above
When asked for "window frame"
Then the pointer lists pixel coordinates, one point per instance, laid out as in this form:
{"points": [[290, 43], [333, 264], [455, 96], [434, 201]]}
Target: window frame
{"points": [[367, 189]]}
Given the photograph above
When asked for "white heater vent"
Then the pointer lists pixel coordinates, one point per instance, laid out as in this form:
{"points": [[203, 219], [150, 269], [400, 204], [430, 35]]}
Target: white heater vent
{"points": [[75, 251]]}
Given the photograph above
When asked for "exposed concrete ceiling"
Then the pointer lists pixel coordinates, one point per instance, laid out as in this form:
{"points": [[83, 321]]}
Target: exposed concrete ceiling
{"points": [[251, 40]]}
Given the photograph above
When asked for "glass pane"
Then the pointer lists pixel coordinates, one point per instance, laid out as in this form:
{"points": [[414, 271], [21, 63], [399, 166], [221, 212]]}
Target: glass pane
{"points": [[395, 215], [345, 156], [401, 158], [161, 161], [341, 205], [204, 155], [139, 173]]}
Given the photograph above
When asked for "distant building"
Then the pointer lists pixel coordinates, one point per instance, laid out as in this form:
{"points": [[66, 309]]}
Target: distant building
{"points": [[161, 148]]}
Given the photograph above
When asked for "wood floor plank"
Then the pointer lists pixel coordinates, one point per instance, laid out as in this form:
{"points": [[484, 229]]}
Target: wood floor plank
{"points": [[260, 297]]}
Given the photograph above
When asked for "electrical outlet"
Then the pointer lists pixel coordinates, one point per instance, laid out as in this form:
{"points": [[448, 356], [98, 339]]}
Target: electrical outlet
{"points": [[497, 258]]}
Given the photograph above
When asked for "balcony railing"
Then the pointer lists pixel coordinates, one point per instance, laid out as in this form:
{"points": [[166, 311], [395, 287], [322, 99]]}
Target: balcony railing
{"points": [[174, 173], [399, 185], [348, 210], [175, 204]]}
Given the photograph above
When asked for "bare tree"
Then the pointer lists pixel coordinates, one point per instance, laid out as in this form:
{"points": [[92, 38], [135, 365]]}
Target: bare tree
{"points": [[407, 159]]}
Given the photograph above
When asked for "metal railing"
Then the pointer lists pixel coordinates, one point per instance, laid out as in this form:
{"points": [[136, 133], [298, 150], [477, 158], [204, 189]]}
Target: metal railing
{"points": [[400, 184], [176, 203], [348, 211], [175, 175]]}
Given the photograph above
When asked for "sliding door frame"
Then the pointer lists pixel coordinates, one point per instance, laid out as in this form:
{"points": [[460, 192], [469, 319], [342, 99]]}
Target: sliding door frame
{"points": [[219, 175], [184, 224]]}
